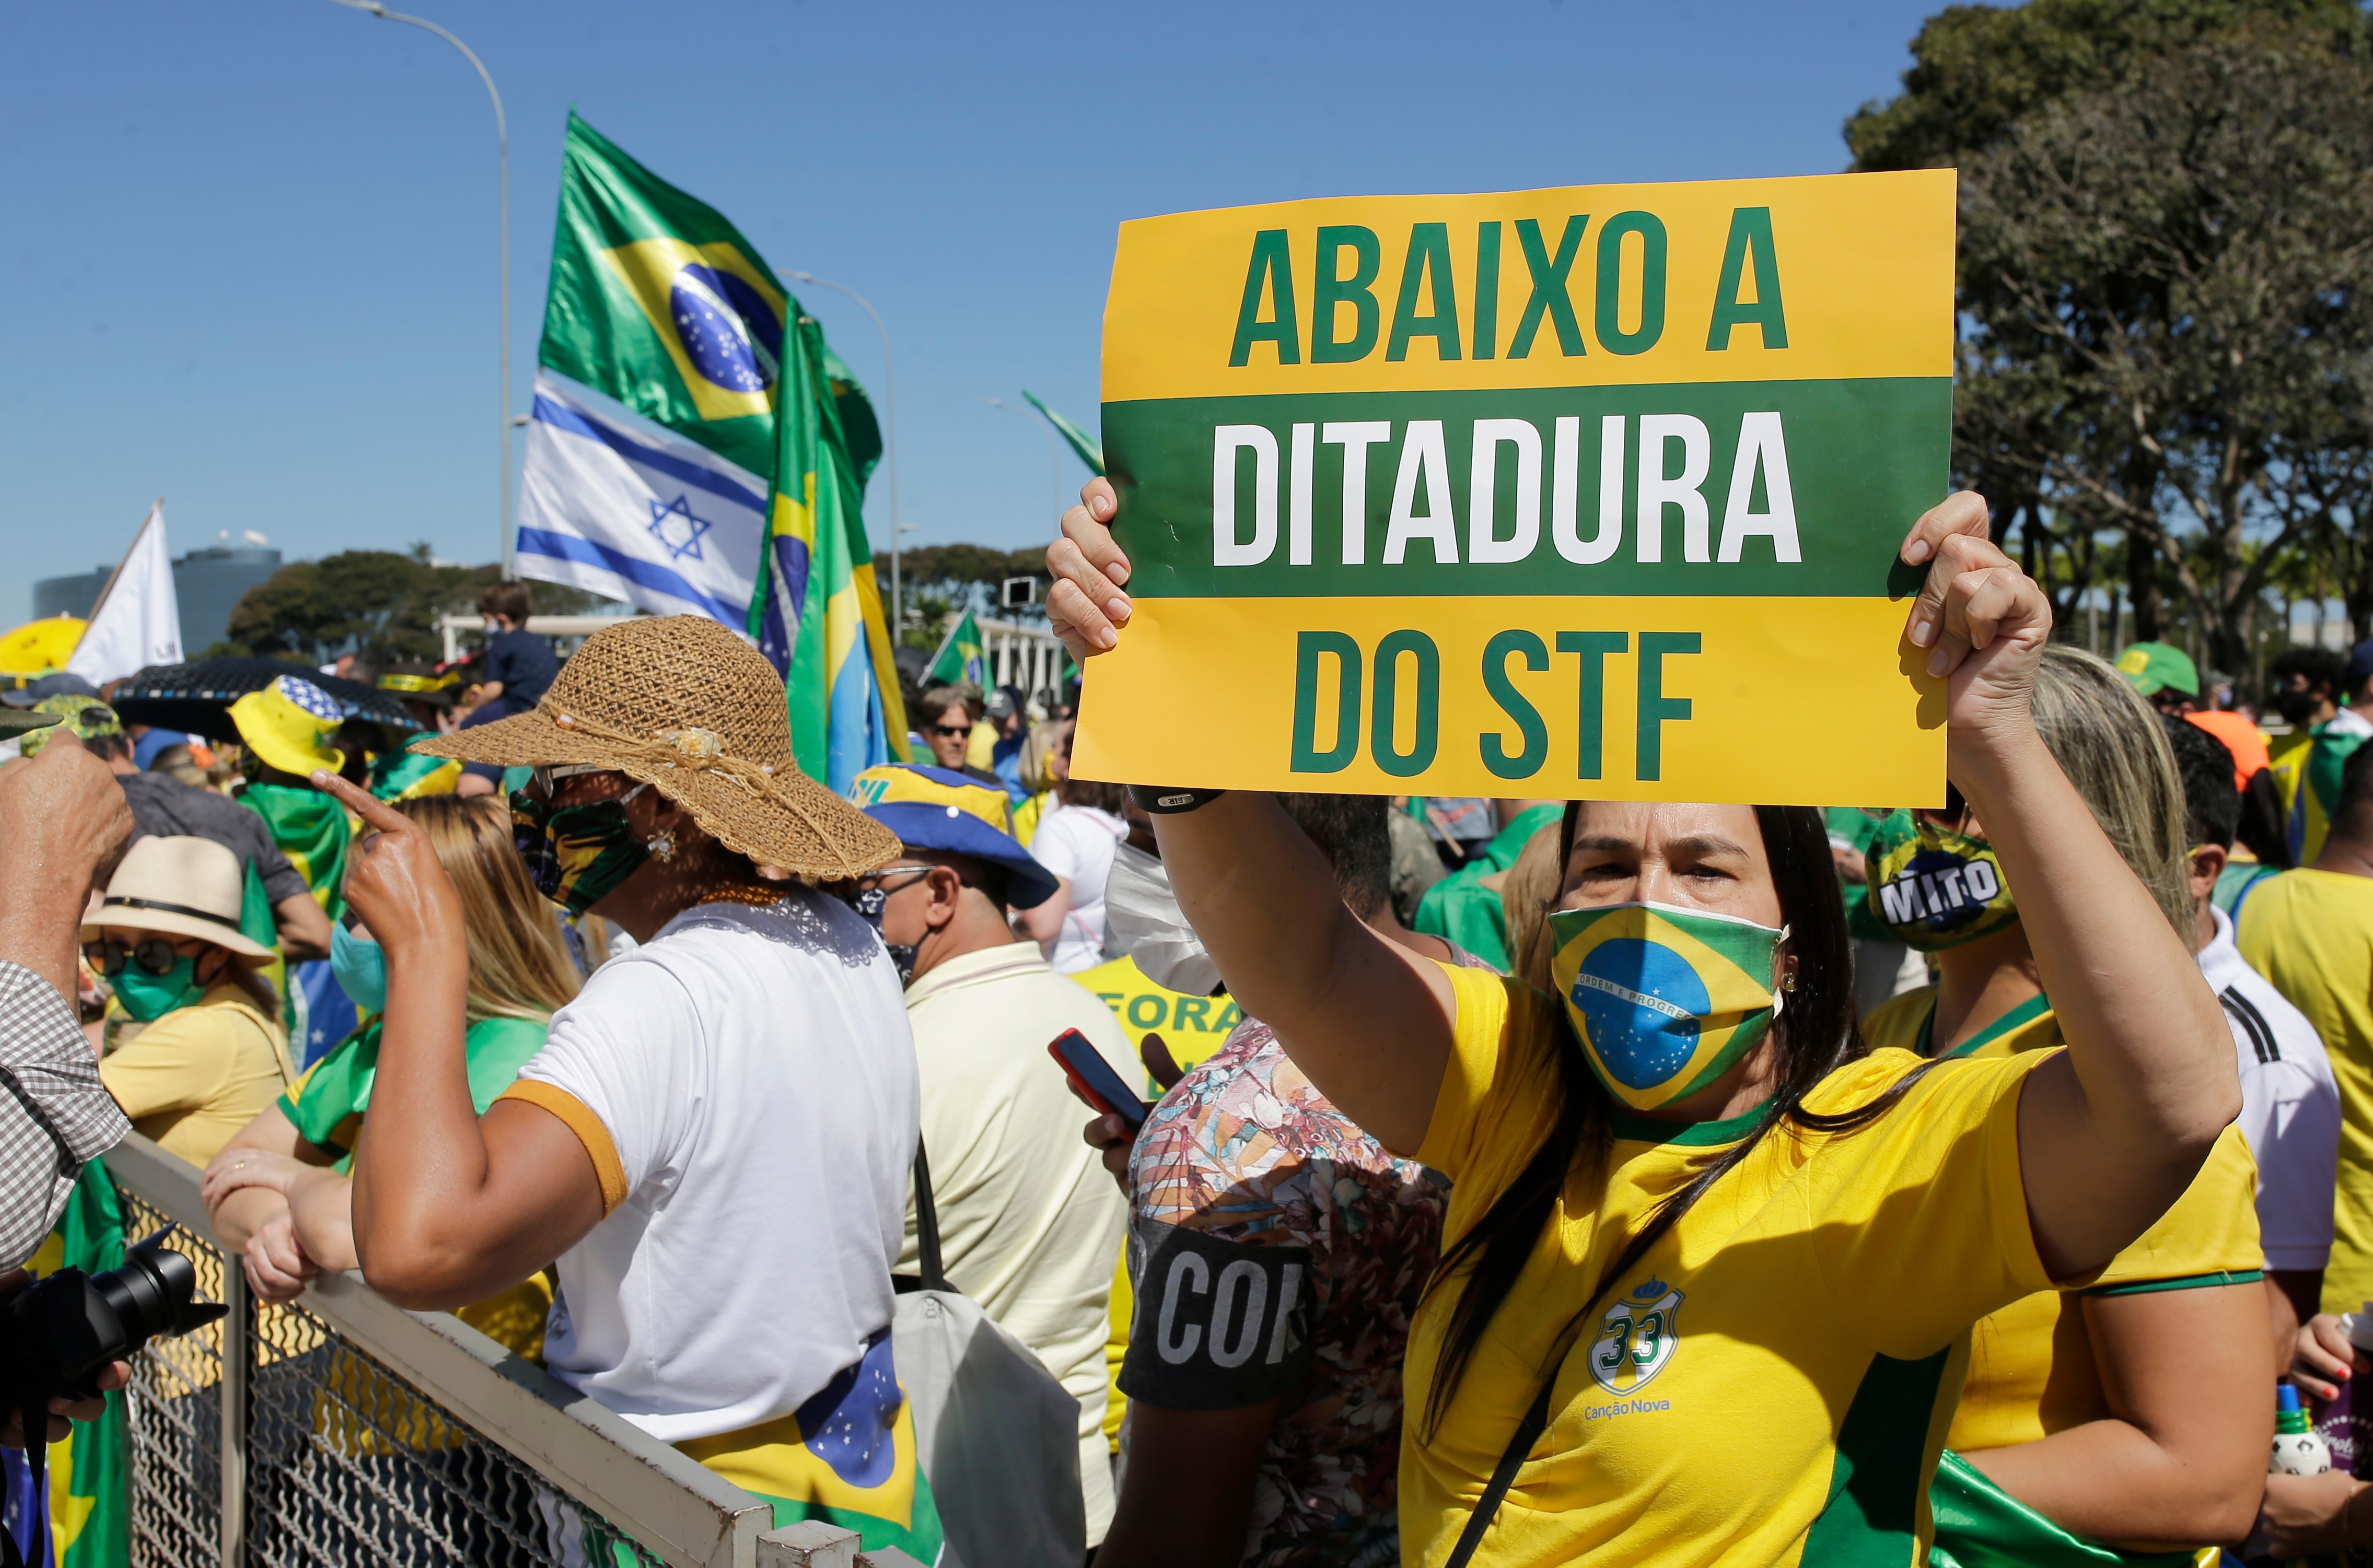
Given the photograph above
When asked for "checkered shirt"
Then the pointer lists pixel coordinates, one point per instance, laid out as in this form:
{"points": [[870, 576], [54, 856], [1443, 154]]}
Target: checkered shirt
{"points": [[54, 1114]]}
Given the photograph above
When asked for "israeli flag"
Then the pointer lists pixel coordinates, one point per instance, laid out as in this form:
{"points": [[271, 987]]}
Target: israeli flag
{"points": [[615, 504]]}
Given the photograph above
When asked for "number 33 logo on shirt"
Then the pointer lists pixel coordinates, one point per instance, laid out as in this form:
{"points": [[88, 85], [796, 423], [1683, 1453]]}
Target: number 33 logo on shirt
{"points": [[1637, 1338]]}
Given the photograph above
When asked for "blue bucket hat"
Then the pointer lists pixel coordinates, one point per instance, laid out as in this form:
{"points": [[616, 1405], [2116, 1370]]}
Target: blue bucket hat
{"points": [[931, 808]]}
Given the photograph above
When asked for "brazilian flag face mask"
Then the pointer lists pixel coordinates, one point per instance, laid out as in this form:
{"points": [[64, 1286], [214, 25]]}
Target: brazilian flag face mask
{"points": [[1935, 887], [1666, 1000]]}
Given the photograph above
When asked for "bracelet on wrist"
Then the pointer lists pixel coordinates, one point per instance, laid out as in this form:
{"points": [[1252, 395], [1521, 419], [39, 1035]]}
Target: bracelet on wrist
{"points": [[1164, 802]]}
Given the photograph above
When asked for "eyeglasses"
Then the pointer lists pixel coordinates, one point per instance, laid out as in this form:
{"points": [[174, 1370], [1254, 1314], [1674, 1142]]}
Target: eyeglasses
{"points": [[155, 955], [872, 881]]}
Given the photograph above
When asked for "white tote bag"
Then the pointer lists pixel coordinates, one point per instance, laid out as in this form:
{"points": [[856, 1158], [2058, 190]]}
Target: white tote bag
{"points": [[997, 1435]]}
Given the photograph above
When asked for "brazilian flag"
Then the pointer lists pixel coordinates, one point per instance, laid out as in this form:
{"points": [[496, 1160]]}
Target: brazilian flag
{"points": [[961, 657], [659, 301], [89, 1470]]}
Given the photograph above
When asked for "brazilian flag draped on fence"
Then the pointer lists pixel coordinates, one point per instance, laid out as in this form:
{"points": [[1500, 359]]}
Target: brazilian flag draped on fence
{"points": [[660, 302], [90, 1504]]}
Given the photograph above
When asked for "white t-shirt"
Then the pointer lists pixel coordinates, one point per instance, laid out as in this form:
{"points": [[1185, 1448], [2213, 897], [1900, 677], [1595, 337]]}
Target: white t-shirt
{"points": [[745, 1084], [1077, 841], [1030, 1223], [2290, 1106]]}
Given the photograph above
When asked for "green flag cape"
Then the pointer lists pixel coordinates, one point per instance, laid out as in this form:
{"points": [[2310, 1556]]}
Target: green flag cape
{"points": [[961, 656], [1091, 451], [311, 829]]}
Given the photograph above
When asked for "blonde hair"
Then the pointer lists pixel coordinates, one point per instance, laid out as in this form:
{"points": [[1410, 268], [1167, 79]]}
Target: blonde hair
{"points": [[1038, 750], [519, 965], [2110, 743], [1526, 895]]}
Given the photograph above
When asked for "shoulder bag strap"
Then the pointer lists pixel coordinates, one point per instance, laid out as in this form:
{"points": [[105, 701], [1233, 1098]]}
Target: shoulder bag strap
{"points": [[926, 1224], [1486, 1508]]}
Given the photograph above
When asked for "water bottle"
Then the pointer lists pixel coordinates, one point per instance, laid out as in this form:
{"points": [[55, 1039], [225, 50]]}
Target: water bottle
{"points": [[2297, 1449]]}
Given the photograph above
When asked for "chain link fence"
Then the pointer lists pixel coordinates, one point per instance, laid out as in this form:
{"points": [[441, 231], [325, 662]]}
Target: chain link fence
{"points": [[341, 1432]]}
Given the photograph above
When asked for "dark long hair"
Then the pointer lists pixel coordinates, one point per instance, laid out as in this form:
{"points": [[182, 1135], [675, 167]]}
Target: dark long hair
{"points": [[1818, 1032]]}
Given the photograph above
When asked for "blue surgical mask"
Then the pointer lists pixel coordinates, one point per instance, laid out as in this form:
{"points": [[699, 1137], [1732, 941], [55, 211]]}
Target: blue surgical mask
{"points": [[360, 968]]}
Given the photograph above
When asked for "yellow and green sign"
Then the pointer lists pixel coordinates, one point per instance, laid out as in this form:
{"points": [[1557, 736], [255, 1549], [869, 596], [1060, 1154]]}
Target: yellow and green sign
{"points": [[1593, 490]]}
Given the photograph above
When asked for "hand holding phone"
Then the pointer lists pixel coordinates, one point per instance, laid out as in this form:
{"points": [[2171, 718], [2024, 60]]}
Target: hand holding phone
{"points": [[1093, 1080]]}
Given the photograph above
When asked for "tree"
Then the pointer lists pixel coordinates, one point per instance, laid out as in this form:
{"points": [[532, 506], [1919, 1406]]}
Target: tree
{"points": [[2167, 239], [941, 580], [377, 603]]}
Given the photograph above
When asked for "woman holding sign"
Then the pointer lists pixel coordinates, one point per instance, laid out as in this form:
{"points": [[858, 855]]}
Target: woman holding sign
{"points": [[1688, 1205]]}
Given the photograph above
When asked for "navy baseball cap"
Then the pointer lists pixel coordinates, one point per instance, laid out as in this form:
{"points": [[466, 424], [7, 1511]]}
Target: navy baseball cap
{"points": [[933, 809]]}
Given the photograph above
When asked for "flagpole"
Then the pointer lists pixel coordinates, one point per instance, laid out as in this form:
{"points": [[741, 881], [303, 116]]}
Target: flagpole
{"points": [[890, 399], [503, 175]]}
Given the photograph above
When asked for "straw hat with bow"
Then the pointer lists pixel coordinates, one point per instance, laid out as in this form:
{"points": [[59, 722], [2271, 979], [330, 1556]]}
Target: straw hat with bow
{"points": [[680, 702]]}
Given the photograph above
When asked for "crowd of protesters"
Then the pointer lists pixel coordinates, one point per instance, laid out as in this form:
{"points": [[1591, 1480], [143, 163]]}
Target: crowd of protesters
{"points": [[1969, 1196]]}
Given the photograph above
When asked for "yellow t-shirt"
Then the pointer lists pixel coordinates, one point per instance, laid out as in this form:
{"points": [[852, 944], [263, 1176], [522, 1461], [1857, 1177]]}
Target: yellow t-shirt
{"points": [[1908, 1023], [2312, 934], [2031, 1368], [1192, 1026], [195, 1076], [1772, 1384]]}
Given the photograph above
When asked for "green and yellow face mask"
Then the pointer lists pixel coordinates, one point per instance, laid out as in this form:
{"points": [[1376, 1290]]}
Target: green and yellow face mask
{"points": [[1934, 886], [1665, 999]]}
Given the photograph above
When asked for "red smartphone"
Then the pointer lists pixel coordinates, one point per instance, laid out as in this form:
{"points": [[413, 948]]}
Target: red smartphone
{"points": [[1093, 1079]]}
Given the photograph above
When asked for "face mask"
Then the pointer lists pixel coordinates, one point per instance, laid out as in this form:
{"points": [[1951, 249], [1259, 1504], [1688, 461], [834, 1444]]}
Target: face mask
{"points": [[148, 997], [1933, 887], [1665, 999], [1142, 919], [869, 905], [577, 854], [2297, 706], [360, 968]]}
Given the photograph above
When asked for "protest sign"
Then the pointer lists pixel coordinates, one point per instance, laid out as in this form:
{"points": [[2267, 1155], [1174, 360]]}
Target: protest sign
{"points": [[1581, 492]]}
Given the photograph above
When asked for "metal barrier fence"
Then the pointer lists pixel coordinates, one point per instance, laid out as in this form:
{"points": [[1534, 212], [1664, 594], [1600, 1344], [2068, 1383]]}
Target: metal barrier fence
{"points": [[345, 1432]]}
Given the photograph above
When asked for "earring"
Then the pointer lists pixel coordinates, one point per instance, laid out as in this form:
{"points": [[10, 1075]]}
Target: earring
{"points": [[1790, 982], [663, 845]]}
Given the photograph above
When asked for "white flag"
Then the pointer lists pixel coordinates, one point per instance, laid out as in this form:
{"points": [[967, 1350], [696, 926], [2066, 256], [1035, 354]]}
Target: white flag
{"points": [[137, 621], [613, 504]]}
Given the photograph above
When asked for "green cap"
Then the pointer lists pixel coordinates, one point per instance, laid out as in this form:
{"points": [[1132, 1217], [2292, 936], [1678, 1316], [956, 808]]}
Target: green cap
{"points": [[87, 716], [16, 721], [2152, 667]]}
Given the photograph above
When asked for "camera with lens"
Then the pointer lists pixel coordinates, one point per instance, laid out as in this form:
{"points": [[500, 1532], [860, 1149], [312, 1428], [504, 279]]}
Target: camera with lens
{"points": [[58, 1333]]}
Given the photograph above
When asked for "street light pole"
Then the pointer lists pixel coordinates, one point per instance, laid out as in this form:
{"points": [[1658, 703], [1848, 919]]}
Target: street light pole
{"points": [[889, 397], [1054, 452], [503, 169]]}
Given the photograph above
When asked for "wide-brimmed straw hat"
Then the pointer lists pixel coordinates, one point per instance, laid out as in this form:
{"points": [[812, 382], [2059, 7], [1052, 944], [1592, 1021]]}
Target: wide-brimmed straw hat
{"points": [[180, 887], [680, 702]]}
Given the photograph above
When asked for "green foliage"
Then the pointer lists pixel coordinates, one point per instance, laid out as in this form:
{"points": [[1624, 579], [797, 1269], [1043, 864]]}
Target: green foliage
{"points": [[1978, 69], [377, 603], [942, 580], [2167, 274]]}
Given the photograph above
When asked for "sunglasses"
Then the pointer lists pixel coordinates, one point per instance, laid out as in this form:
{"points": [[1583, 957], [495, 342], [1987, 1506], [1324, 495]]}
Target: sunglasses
{"points": [[952, 730], [155, 955], [544, 775]]}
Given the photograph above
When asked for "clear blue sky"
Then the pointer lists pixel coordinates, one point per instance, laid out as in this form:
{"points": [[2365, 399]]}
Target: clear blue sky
{"points": [[248, 262]]}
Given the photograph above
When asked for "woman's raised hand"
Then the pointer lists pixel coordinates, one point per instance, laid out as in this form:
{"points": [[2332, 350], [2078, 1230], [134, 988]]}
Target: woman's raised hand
{"points": [[1983, 622], [1086, 607], [393, 878]]}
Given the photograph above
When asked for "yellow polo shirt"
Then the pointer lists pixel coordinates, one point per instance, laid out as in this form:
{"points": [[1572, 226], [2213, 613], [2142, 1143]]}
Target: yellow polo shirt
{"points": [[195, 1076], [1773, 1382], [2312, 934]]}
